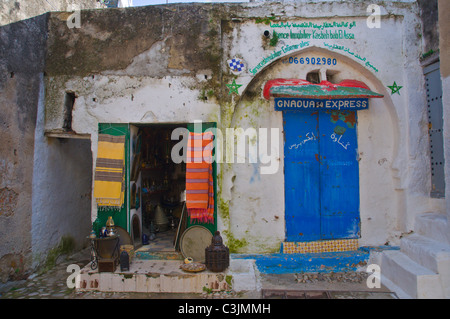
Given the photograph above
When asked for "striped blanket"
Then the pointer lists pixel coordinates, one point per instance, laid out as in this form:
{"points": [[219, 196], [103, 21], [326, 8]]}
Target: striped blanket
{"points": [[199, 178], [109, 179]]}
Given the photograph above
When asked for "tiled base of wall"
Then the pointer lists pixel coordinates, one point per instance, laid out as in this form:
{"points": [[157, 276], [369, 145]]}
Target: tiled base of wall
{"points": [[319, 246]]}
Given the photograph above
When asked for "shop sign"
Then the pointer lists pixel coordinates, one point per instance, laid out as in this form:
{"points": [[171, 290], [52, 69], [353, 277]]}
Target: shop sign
{"points": [[284, 104]]}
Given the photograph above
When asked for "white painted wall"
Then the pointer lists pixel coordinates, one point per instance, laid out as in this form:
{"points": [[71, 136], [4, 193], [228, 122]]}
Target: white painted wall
{"points": [[444, 48], [392, 136], [62, 167], [13, 10], [446, 103], [125, 3]]}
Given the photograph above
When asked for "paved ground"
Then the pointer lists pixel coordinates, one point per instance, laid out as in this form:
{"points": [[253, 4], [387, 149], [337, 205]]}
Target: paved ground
{"points": [[53, 285]]}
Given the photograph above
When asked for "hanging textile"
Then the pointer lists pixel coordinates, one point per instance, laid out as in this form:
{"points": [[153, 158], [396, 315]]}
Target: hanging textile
{"points": [[109, 179], [199, 178]]}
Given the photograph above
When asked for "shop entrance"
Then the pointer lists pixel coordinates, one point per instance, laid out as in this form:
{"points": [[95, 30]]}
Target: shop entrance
{"points": [[158, 185], [153, 211], [321, 175]]}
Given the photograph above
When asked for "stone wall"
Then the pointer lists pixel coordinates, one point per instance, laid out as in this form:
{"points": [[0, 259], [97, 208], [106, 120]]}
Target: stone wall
{"points": [[21, 67], [16, 10], [34, 213], [444, 48], [430, 26]]}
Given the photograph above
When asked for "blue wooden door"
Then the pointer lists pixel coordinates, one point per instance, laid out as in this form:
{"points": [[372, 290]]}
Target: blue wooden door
{"points": [[321, 175], [302, 175]]}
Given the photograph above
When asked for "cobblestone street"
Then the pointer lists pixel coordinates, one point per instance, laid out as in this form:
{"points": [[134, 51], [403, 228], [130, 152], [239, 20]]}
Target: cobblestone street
{"points": [[53, 285]]}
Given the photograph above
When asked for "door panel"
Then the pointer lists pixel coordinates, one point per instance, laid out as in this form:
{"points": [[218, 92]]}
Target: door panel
{"points": [[321, 175], [339, 178], [301, 176], [120, 216]]}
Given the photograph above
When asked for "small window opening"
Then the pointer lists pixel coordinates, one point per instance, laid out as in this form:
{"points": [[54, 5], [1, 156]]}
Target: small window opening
{"points": [[69, 101], [332, 76], [313, 77]]}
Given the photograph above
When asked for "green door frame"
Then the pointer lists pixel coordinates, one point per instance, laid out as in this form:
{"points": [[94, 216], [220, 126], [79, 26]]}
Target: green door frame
{"points": [[120, 216]]}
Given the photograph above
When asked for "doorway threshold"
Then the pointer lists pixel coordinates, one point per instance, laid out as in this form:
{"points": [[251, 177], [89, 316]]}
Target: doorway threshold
{"points": [[160, 248]]}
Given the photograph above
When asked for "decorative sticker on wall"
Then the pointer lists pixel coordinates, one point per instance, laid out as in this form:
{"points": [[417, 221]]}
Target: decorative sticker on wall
{"points": [[236, 65], [234, 87], [395, 88]]}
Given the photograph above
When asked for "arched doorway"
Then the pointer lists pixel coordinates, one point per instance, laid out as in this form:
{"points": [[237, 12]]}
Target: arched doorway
{"points": [[320, 155], [262, 197]]}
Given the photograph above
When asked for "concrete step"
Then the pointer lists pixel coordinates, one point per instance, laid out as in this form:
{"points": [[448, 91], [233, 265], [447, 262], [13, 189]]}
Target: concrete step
{"points": [[427, 252], [415, 281], [434, 226], [309, 262], [153, 276]]}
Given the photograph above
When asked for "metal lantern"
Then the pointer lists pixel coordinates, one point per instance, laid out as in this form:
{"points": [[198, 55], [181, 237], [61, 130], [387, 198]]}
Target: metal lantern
{"points": [[217, 255]]}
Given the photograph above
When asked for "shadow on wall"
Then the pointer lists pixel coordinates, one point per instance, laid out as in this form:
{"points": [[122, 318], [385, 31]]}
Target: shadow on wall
{"points": [[61, 195]]}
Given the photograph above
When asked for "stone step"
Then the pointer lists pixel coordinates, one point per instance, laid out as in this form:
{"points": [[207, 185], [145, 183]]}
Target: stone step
{"points": [[157, 276], [427, 252], [414, 280], [434, 226]]}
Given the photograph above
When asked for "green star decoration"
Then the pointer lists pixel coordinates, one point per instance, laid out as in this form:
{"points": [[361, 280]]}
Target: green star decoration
{"points": [[233, 87], [395, 88]]}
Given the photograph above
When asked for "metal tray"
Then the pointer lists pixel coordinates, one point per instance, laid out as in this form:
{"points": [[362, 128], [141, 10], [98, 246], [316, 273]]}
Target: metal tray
{"points": [[194, 241]]}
